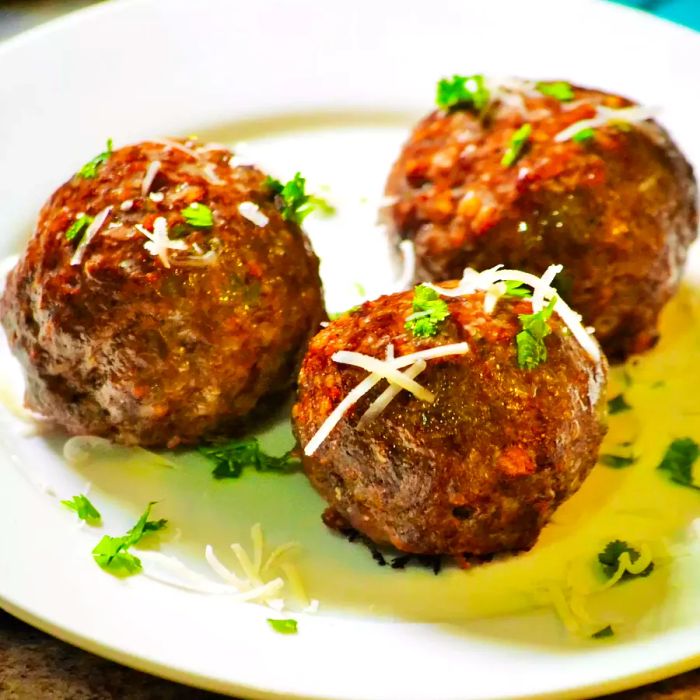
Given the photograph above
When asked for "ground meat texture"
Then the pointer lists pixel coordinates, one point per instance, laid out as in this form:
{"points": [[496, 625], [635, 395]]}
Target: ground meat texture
{"points": [[480, 470], [618, 210], [122, 346]]}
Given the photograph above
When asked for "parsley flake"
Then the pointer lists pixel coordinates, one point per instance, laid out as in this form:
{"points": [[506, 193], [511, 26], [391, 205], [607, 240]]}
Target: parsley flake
{"points": [[618, 404], [429, 311], [230, 458], [111, 553], [517, 289], [462, 91], [89, 170], [609, 559], [558, 89], [679, 459], [198, 215], [604, 633], [78, 226], [83, 507], [293, 202], [530, 341], [516, 145], [287, 626], [616, 461], [583, 135]]}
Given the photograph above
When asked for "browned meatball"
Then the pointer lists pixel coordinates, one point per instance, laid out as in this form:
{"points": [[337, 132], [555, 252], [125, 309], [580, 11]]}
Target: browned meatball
{"points": [[483, 467], [617, 209], [163, 341]]}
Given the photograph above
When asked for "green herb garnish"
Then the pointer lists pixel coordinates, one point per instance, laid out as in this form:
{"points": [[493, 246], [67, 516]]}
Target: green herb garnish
{"points": [[517, 289], [198, 215], [618, 404], [516, 145], [293, 202], [83, 507], [78, 226], [288, 626], [679, 459], [89, 170], [583, 135], [616, 461], [609, 559], [339, 314], [559, 89], [429, 311], [230, 458], [605, 632], [111, 553], [462, 91], [530, 341]]}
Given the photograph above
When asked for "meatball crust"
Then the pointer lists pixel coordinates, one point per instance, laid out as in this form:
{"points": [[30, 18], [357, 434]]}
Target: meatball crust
{"points": [[154, 347], [618, 210], [482, 468]]}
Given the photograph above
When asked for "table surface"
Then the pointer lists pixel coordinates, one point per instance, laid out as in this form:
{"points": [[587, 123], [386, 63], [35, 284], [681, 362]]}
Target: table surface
{"points": [[35, 665]]}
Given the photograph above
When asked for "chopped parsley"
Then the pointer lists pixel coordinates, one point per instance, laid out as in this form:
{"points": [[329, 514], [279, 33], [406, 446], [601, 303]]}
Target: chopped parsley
{"points": [[604, 633], [609, 560], [516, 145], [89, 170], [78, 226], [198, 215], [429, 311], [558, 89], [679, 459], [616, 461], [83, 507], [530, 341], [618, 404], [288, 626], [111, 553], [462, 91], [293, 202], [340, 314], [583, 135], [230, 458], [517, 289]]}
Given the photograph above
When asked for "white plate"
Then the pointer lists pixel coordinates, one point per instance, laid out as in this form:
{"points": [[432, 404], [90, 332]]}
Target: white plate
{"points": [[329, 89]]}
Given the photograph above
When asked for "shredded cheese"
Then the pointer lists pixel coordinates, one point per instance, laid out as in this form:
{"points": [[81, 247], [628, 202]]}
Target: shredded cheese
{"points": [[251, 211], [91, 231], [389, 394], [607, 115], [253, 586], [473, 281], [168, 143], [370, 381], [158, 242], [385, 370], [210, 174], [545, 283], [149, 177]]}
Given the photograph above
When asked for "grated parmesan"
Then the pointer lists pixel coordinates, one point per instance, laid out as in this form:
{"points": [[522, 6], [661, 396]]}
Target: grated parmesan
{"points": [[370, 381], [149, 177], [158, 242], [90, 233], [605, 116], [251, 211]]}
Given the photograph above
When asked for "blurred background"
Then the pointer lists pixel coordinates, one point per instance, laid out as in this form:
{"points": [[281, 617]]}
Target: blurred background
{"points": [[17, 15]]}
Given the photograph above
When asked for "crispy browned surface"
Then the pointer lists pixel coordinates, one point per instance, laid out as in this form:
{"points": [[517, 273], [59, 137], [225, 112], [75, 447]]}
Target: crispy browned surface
{"points": [[123, 347], [619, 211], [482, 468]]}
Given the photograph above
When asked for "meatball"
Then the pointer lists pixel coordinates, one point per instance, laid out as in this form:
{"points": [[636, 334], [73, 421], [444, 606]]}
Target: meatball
{"points": [[479, 470], [161, 296], [615, 204]]}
